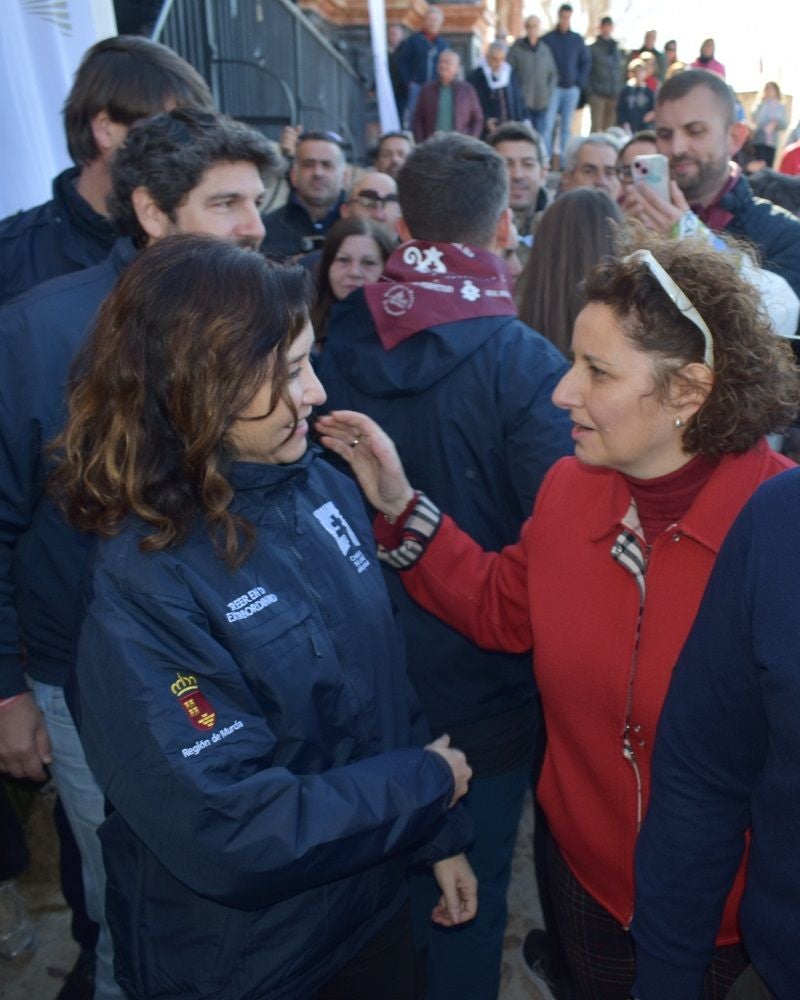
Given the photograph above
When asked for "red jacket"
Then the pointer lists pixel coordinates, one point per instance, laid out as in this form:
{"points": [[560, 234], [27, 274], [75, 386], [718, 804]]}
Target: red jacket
{"points": [[467, 113], [560, 591]]}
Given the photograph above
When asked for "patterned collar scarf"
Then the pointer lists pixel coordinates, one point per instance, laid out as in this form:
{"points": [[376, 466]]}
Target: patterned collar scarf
{"points": [[428, 284]]}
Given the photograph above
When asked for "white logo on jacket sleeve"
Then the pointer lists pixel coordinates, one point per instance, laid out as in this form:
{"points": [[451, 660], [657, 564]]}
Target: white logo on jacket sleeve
{"points": [[334, 522]]}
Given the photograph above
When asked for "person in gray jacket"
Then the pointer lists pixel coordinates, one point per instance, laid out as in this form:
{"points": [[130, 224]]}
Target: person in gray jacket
{"points": [[535, 70], [605, 77]]}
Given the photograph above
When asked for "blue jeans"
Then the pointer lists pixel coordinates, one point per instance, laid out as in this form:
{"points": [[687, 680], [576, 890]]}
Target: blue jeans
{"points": [[538, 120], [563, 103], [84, 805], [464, 962]]}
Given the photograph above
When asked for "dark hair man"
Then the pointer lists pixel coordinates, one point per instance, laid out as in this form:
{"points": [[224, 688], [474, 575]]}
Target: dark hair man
{"points": [[187, 170], [606, 77], [572, 62], [436, 355], [524, 155], [317, 178], [535, 70], [418, 56], [119, 81], [696, 128], [392, 152]]}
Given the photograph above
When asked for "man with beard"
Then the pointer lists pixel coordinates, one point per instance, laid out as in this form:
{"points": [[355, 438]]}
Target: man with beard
{"points": [[392, 153], [185, 171], [317, 178], [697, 130]]}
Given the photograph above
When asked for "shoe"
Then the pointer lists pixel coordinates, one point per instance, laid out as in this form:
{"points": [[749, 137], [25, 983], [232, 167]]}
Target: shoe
{"points": [[535, 960], [79, 984], [17, 933]]}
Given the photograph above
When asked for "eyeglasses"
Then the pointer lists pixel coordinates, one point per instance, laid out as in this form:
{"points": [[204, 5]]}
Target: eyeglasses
{"points": [[372, 200], [589, 170], [679, 298]]}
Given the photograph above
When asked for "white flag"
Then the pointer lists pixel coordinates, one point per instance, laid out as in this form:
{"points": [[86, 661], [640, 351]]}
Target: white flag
{"points": [[41, 45], [387, 106]]}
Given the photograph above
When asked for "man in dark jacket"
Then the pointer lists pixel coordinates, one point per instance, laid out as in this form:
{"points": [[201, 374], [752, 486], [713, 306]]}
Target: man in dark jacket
{"points": [[186, 171], [535, 67], [572, 61], [417, 59], [118, 81], [436, 355], [696, 128], [605, 77], [317, 177], [447, 104]]}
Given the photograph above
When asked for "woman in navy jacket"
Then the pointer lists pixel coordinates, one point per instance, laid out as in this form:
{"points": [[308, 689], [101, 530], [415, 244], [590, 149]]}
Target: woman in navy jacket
{"points": [[241, 691]]}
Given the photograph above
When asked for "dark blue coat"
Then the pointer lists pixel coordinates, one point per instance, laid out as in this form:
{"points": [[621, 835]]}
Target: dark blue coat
{"points": [[571, 56], [290, 230], [774, 231], [251, 730], [727, 758], [418, 56], [468, 405], [40, 556], [63, 235]]}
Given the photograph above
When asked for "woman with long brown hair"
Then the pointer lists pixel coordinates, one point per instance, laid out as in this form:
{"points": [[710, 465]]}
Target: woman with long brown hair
{"points": [[576, 232], [241, 691]]}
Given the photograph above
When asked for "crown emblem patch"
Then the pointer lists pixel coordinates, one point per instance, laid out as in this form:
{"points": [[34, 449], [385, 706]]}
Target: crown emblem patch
{"points": [[201, 715]]}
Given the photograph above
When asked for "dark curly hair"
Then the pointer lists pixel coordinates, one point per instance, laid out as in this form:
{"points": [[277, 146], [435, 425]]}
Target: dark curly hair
{"points": [[756, 382], [169, 154], [179, 349]]}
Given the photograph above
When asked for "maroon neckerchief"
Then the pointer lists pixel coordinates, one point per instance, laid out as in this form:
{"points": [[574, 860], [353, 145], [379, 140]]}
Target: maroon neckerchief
{"points": [[714, 215], [427, 284]]}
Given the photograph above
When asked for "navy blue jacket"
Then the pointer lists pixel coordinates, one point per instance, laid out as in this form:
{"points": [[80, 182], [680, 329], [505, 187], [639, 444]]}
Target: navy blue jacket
{"points": [[491, 103], [468, 406], [418, 56], [727, 758], [251, 730], [40, 556], [63, 235], [290, 230], [774, 231], [571, 56]]}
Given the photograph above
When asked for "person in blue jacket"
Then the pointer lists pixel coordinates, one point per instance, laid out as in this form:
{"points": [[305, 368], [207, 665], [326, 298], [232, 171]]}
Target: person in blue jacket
{"points": [[435, 353], [241, 694], [727, 759], [120, 80]]}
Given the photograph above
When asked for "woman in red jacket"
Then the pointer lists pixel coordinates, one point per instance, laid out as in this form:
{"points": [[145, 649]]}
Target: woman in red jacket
{"points": [[675, 381]]}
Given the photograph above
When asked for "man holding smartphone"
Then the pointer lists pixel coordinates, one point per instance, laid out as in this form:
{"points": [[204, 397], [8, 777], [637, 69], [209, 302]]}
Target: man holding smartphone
{"points": [[696, 129]]}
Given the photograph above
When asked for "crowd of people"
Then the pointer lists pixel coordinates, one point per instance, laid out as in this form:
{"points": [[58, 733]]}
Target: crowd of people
{"points": [[291, 747]]}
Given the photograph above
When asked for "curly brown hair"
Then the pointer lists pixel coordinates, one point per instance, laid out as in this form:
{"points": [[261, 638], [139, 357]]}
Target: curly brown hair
{"points": [[179, 349], [756, 382]]}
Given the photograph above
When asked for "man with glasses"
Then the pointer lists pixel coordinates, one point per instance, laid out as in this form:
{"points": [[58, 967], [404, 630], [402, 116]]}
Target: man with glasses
{"points": [[591, 161], [317, 179], [374, 196]]}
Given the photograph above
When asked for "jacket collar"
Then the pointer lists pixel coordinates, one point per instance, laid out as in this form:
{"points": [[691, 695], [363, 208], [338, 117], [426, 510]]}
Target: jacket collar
{"points": [[707, 521], [245, 476]]}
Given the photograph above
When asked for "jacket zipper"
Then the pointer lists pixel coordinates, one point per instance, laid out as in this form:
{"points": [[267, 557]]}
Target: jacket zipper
{"points": [[628, 751]]}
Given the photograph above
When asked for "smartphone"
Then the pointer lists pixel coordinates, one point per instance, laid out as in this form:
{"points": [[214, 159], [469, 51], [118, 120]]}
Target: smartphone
{"points": [[652, 169]]}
